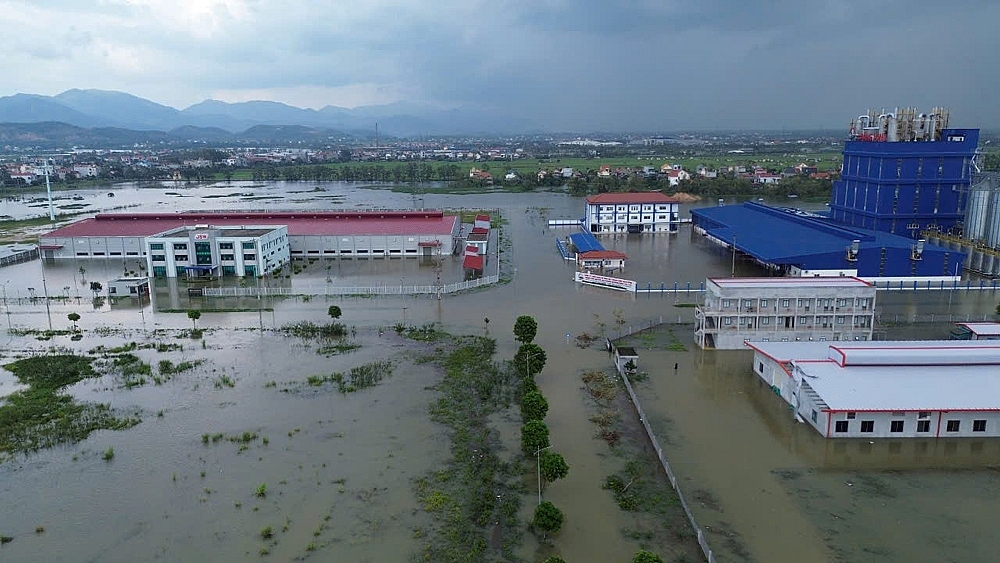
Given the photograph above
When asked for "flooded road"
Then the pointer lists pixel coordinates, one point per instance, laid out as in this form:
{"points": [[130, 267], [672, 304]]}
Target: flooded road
{"points": [[768, 489]]}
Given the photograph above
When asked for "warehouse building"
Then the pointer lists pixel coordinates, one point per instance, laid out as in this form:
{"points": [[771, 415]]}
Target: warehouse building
{"points": [[798, 243], [737, 310], [329, 234], [909, 389]]}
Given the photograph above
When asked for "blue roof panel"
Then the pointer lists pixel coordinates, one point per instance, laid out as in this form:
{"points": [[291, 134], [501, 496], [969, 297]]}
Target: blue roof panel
{"points": [[585, 242]]}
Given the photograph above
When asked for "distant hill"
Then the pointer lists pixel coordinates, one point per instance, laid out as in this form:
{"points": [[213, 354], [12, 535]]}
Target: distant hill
{"points": [[103, 108], [51, 135]]}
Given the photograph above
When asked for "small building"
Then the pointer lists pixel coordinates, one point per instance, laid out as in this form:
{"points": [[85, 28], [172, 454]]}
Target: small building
{"points": [[626, 359], [17, 253], [976, 331], [603, 260], [478, 238], [737, 310], [908, 389], [642, 212], [128, 287], [205, 250], [473, 262], [481, 221]]}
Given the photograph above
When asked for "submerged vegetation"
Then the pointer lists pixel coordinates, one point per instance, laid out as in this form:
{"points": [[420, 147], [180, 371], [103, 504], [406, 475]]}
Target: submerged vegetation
{"points": [[358, 378], [42, 415], [475, 499], [306, 329]]}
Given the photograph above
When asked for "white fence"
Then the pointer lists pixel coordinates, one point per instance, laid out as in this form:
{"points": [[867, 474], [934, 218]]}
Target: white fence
{"points": [[265, 291], [702, 542]]}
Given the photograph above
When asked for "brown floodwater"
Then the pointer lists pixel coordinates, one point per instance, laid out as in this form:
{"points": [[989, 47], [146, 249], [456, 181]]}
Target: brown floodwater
{"points": [[767, 488]]}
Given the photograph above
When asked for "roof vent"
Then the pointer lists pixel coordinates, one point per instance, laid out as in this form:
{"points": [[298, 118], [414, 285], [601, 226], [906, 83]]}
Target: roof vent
{"points": [[852, 251]]}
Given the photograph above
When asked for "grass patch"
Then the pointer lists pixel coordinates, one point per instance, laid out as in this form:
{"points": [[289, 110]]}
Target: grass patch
{"points": [[475, 499], [306, 329], [674, 344], [225, 381], [341, 347], [133, 370], [360, 377], [42, 416]]}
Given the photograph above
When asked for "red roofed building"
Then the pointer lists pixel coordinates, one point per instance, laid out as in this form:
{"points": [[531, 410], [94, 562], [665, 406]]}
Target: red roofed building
{"points": [[605, 260], [360, 234], [639, 212]]}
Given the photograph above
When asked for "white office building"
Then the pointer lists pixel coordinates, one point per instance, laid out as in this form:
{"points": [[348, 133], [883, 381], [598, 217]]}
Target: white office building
{"points": [[217, 251], [898, 389], [736, 310], [645, 212]]}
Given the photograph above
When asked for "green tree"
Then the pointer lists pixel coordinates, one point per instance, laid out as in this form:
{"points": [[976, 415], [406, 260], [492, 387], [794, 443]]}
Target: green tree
{"points": [[194, 315], [533, 406], [643, 556], [534, 436], [525, 329], [96, 287], [548, 518], [334, 312], [554, 559], [73, 317], [529, 360], [553, 466]]}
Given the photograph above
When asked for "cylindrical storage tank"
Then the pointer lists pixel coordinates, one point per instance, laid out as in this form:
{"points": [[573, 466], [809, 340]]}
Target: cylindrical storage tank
{"points": [[975, 261], [990, 264], [991, 234], [976, 209]]}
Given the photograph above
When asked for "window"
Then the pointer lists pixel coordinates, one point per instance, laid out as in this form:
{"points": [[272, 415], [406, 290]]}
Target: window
{"points": [[979, 426], [747, 303], [763, 302], [923, 426], [725, 303], [896, 426], [867, 425], [841, 426], [729, 321], [815, 416], [852, 415], [225, 246], [180, 246], [249, 257], [924, 414], [760, 367], [954, 425], [765, 320], [840, 319], [159, 271], [156, 246], [181, 258], [159, 258], [784, 303], [248, 245], [227, 257]]}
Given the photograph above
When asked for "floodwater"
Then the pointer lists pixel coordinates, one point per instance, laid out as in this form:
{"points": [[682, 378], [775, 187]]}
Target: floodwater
{"points": [[767, 488]]}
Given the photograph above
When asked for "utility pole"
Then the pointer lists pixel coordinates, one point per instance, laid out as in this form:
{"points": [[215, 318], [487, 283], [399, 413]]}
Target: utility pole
{"points": [[52, 211], [45, 293], [538, 470], [734, 257]]}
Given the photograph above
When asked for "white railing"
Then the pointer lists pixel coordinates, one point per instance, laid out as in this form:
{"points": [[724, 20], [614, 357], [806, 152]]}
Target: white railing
{"points": [[265, 291]]}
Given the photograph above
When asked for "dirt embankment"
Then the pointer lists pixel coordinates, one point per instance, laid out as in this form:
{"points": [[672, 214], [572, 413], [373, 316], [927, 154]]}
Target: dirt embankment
{"points": [[684, 197]]}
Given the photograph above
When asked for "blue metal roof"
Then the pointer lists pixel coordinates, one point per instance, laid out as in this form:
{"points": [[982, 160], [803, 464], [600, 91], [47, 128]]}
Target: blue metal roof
{"points": [[783, 237], [585, 242]]}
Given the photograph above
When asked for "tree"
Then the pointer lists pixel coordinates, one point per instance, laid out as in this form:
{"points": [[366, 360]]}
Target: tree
{"points": [[533, 406], [529, 360], [643, 556], [554, 559], [553, 466], [334, 312], [534, 436], [73, 317], [194, 315], [548, 518], [96, 287], [619, 320], [525, 329]]}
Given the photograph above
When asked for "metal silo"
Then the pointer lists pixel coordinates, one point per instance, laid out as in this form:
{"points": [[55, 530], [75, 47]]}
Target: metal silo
{"points": [[991, 233], [976, 210]]}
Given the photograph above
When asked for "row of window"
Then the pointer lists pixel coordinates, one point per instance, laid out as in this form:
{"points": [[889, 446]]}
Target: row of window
{"points": [[897, 426], [109, 254], [184, 257], [631, 218], [749, 304], [645, 207], [789, 322]]}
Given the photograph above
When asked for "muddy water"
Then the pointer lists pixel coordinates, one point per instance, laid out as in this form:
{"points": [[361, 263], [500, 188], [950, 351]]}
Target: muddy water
{"points": [[766, 486]]}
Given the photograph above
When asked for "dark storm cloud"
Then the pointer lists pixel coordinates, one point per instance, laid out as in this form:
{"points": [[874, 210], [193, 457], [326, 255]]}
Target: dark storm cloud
{"points": [[562, 64]]}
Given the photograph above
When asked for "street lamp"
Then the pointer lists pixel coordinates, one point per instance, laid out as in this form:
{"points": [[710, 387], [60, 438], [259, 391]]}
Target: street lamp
{"points": [[538, 470], [734, 257], [6, 305]]}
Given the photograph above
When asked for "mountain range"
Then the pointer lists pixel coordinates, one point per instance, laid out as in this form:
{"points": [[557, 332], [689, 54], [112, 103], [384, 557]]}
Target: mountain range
{"points": [[105, 108]]}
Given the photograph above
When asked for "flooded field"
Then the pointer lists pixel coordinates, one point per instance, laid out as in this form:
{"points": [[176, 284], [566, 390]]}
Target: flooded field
{"points": [[339, 469]]}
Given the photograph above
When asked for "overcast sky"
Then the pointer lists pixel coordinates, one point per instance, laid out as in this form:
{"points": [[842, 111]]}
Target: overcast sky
{"points": [[577, 65]]}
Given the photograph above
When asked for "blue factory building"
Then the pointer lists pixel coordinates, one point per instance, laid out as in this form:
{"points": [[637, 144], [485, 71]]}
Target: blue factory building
{"points": [[798, 243], [904, 173]]}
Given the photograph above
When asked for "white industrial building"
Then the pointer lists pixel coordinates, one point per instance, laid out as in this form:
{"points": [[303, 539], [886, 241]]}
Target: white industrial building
{"points": [[645, 212], [213, 251], [976, 331], [737, 310], [898, 389], [326, 234]]}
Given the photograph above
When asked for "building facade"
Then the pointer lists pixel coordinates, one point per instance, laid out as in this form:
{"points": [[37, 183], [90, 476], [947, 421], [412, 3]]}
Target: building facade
{"points": [[217, 251], [737, 310], [904, 173], [327, 234], [908, 389], [647, 212]]}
